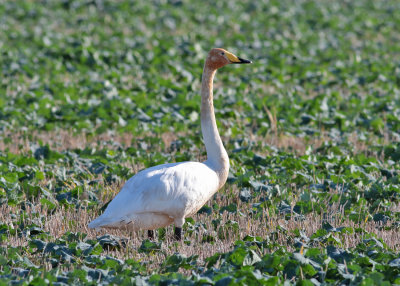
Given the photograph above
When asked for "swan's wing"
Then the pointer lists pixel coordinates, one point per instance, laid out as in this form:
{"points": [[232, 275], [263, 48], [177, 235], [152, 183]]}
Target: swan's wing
{"points": [[175, 190]]}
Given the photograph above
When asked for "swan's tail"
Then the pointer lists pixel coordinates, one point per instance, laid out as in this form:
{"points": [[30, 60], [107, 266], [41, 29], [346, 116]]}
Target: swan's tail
{"points": [[105, 222], [97, 223]]}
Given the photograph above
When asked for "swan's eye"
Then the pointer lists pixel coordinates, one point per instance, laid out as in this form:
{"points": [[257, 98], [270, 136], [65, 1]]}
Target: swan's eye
{"points": [[222, 53]]}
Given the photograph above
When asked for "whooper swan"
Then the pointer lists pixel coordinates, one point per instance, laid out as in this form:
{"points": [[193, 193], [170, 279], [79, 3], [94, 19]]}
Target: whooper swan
{"points": [[166, 194]]}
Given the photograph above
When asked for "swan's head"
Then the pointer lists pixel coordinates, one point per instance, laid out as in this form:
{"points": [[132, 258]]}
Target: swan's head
{"points": [[217, 58]]}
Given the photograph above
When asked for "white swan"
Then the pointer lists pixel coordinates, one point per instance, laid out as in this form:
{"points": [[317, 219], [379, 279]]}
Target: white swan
{"points": [[166, 194]]}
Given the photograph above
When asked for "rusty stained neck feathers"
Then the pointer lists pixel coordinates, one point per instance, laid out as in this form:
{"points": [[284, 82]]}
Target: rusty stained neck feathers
{"points": [[217, 157]]}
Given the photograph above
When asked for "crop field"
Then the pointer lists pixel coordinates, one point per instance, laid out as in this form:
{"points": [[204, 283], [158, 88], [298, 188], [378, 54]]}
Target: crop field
{"points": [[93, 91]]}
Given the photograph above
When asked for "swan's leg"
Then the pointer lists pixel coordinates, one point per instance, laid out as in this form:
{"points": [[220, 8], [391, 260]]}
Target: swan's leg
{"points": [[178, 227], [178, 233], [150, 234]]}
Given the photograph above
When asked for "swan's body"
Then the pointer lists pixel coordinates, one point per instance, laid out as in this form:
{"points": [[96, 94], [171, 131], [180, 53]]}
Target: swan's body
{"points": [[160, 195], [166, 194]]}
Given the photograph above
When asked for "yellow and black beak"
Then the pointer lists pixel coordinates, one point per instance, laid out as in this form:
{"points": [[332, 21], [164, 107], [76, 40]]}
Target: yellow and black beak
{"points": [[242, 61], [236, 60]]}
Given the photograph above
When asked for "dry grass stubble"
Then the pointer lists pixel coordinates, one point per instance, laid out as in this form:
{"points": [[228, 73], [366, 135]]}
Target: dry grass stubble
{"points": [[76, 220], [61, 140]]}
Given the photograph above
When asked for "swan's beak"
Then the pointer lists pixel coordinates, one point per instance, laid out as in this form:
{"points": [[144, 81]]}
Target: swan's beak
{"points": [[236, 60]]}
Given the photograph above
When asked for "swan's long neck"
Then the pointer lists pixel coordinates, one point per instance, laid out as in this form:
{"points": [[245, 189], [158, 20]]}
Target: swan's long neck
{"points": [[217, 158]]}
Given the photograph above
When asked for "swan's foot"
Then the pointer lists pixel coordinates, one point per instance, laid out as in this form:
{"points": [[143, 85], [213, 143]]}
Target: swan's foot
{"points": [[178, 233], [150, 234]]}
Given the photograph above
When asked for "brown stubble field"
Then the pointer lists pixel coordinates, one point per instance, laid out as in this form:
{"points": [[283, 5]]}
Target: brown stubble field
{"points": [[65, 219]]}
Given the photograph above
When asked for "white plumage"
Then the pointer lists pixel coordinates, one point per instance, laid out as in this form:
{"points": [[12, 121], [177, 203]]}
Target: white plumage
{"points": [[166, 194], [159, 196]]}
